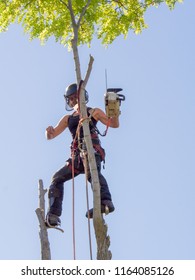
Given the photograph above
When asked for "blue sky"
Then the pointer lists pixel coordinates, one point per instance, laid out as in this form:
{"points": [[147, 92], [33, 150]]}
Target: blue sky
{"points": [[150, 158]]}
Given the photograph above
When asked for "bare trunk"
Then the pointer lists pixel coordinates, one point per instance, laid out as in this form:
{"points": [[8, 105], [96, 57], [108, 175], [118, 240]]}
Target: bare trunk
{"points": [[103, 241], [40, 211]]}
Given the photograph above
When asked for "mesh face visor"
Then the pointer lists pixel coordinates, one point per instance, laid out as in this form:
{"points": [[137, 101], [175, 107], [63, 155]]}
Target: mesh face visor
{"points": [[74, 95], [67, 100]]}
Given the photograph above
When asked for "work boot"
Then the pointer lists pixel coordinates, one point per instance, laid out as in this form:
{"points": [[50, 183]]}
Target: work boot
{"points": [[52, 220], [106, 207]]}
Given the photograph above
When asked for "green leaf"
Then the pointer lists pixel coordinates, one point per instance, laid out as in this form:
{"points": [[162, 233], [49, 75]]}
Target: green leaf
{"points": [[105, 19]]}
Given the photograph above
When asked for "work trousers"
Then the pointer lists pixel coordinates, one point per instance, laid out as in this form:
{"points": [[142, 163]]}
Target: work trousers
{"points": [[56, 190]]}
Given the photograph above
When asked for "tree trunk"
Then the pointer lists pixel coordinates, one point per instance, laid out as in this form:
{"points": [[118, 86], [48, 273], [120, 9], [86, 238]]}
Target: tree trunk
{"points": [[40, 211], [103, 241]]}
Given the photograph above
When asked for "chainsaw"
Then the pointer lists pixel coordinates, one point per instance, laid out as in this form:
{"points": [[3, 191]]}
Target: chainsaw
{"points": [[113, 101]]}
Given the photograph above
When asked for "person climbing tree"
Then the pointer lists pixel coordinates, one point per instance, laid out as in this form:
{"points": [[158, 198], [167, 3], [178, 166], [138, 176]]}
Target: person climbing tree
{"points": [[75, 165]]}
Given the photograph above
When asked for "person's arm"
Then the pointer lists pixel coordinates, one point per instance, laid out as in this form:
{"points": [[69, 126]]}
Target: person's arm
{"points": [[51, 132], [99, 115]]}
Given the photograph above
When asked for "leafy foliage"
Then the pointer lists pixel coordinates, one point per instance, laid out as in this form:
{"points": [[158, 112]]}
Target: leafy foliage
{"points": [[105, 19]]}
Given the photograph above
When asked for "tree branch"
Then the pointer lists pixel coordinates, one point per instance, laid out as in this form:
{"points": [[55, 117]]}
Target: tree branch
{"points": [[83, 12], [45, 246], [74, 42], [103, 241], [27, 4], [5, 2], [91, 60], [64, 3], [72, 15]]}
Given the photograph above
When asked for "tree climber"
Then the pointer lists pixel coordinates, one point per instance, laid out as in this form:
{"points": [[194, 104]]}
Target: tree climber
{"points": [[64, 174]]}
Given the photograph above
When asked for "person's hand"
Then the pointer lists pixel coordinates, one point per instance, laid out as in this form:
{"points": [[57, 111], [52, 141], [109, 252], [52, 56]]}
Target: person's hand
{"points": [[49, 132]]}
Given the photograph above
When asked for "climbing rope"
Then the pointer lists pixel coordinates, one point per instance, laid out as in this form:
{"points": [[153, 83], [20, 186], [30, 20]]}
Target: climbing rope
{"points": [[78, 144], [86, 168], [73, 208], [77, 136], [73, 188]]}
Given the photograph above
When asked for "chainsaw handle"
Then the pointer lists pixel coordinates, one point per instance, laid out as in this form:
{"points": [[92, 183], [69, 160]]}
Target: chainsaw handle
{"points": [[121, 97]]}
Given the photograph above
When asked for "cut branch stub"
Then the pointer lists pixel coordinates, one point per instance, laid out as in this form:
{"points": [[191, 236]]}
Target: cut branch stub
{"points": [[40, 211]]}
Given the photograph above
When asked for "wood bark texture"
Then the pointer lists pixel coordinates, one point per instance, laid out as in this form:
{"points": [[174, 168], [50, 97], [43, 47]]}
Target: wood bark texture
{"points": [[40, 211]]}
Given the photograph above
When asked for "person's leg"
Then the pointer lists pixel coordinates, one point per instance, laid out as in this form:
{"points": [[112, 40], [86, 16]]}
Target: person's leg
{"points": [[56, 193]]}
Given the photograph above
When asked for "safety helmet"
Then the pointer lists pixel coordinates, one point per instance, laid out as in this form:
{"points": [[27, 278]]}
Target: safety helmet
{"points": [[70, 90]]}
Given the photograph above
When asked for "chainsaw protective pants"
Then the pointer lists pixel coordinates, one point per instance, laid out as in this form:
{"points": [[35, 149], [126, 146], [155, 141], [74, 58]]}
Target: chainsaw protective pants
{"points": [[56, 190]]}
